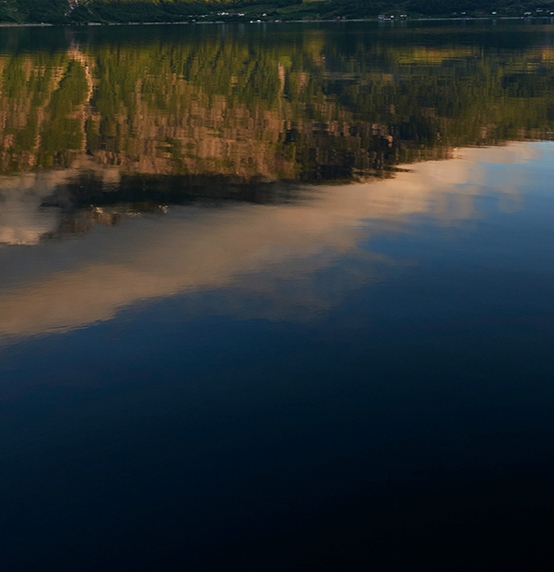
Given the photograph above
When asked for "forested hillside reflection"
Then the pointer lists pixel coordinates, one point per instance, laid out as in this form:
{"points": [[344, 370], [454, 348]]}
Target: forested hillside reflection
{"points": [[185, 112]]}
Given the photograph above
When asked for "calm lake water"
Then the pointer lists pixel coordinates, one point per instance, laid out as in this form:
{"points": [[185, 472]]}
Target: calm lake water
{"points": [[277, 298]]}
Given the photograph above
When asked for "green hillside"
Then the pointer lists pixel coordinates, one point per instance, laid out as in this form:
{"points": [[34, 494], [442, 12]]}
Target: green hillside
{"points": [[122, 11]]}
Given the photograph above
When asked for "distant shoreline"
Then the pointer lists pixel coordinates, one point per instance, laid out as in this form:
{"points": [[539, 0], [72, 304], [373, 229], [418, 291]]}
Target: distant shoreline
{"points": [[279, 21]]}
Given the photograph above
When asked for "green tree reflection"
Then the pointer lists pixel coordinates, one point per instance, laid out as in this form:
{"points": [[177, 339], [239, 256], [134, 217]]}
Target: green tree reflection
{"points": [[316, 105]]}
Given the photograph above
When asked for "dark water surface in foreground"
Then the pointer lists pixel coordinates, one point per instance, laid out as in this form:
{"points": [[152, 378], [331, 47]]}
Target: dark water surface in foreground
{"points": [[277, 298]]}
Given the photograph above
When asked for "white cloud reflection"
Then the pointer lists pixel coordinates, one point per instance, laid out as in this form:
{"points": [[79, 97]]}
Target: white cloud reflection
{"points": [[62, 285]]}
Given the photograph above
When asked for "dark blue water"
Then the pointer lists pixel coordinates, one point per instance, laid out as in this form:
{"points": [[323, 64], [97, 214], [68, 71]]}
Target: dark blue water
{"points": [[356, 376]]}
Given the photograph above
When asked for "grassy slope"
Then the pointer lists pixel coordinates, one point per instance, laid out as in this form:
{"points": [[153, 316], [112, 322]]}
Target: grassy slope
{"points": [[58, 11]]}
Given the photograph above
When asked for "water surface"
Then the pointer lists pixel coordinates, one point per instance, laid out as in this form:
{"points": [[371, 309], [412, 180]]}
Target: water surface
{"points": [[277, 298]]}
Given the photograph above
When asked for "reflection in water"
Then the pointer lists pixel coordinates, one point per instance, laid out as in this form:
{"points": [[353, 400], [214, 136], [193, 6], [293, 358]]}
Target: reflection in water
{"points": [[318, 264], [226, 114], [196, 248], [102, 130], [329, 103]]}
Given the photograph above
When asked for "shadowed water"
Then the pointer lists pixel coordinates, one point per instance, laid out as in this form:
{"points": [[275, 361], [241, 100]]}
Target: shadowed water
{"points": [[277, 298]]}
